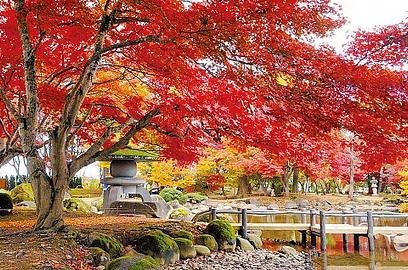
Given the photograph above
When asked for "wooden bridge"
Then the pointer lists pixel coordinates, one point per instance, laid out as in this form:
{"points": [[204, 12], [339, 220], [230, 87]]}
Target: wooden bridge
{"points": [[308, 226]]}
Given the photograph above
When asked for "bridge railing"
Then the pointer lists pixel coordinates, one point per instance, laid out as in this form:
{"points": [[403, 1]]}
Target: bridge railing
{"points": [[243, 214]]}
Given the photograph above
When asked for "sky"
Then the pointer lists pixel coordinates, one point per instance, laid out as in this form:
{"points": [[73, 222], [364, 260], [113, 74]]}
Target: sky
{"points": [[364, 14]]}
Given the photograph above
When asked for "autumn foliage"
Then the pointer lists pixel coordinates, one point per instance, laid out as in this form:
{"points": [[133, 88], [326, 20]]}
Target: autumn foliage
{"points": [[81, 79]]}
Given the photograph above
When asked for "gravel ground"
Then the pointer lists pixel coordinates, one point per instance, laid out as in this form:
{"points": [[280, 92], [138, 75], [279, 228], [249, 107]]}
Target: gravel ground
{"points": [[254, 260]]}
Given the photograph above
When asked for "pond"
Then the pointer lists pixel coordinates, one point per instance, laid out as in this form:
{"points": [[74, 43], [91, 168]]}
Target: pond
{"points": [[386, 256]]}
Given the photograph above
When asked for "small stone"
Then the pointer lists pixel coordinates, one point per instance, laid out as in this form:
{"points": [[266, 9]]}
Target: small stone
{"points": [[288, 250], [20, 254]]}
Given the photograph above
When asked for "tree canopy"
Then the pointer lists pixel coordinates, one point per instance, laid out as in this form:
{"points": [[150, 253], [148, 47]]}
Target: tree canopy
{"points": [[180, 75]]}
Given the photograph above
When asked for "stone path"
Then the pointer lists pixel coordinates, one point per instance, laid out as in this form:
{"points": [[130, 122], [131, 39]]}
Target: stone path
{"points": [[242, 260]]}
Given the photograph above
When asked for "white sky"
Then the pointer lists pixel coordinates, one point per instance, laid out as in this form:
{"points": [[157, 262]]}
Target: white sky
{"points": [[364, 14]]}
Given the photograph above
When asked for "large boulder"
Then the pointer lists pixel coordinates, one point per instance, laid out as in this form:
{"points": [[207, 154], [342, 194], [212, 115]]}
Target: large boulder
{"points": [[22, 192], [208, 241], [202, 250], [76, 204], [163, 208], [290, 205], [244, 244], [106, 242], [6, 204], [273, 206], [27, 204], [186, 248], [303, 204], [223, 233], [160, 246], [255, 240], [135, 262]]}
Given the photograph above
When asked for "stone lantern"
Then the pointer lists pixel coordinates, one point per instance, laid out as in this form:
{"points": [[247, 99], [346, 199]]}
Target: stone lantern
{"points": [[374, 186], [123, 183]]}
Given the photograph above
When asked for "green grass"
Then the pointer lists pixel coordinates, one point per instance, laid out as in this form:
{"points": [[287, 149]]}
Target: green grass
{"points": [[85, 193]]}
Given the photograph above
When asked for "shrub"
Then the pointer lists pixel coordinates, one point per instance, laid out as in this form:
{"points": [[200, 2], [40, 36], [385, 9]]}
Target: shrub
{"points": [[403, 207], [75, 204], [171, 194], [5, 201], [193, 198], [91, 184], [179, 213], [23, 192]]}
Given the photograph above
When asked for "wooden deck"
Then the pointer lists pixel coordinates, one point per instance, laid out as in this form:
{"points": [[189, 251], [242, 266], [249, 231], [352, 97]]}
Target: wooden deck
{"points": [[275, 226], [330, 228], [321, 229], [350, 229]]}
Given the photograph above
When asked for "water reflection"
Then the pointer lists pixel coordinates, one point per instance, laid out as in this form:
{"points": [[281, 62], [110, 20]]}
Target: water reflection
{"points": [[391, 251]]}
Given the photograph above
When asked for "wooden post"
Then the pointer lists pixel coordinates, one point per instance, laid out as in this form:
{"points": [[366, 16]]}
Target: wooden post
{"points": [[323, 240], [304, 238], [303, 220], [345, 236], [370, 231], [312, 223], [213, 213], [355, 219], [312, 218], [244, 223], [356, 243]]}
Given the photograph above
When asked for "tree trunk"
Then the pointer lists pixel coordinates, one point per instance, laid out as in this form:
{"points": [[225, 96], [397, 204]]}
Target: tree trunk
{"points": [[351, 189], [287, 171], [49, 200], [244, 188], [295, 183]]}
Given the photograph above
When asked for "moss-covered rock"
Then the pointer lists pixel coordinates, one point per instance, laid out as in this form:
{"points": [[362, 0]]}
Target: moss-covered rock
{"points": [[182, 234], [186, 248], [223, 233], [202, 250], [160, 246], [22, 192], [99, 256], [208, 241], [75, 204], [106, 242], [137, 262]]}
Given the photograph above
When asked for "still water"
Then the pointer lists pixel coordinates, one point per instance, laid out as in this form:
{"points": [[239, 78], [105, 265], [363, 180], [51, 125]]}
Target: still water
{"points": [[385, 256]]}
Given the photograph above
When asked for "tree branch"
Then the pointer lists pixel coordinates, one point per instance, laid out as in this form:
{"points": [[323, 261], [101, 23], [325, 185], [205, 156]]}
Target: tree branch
{"points": [[94, 153]]}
